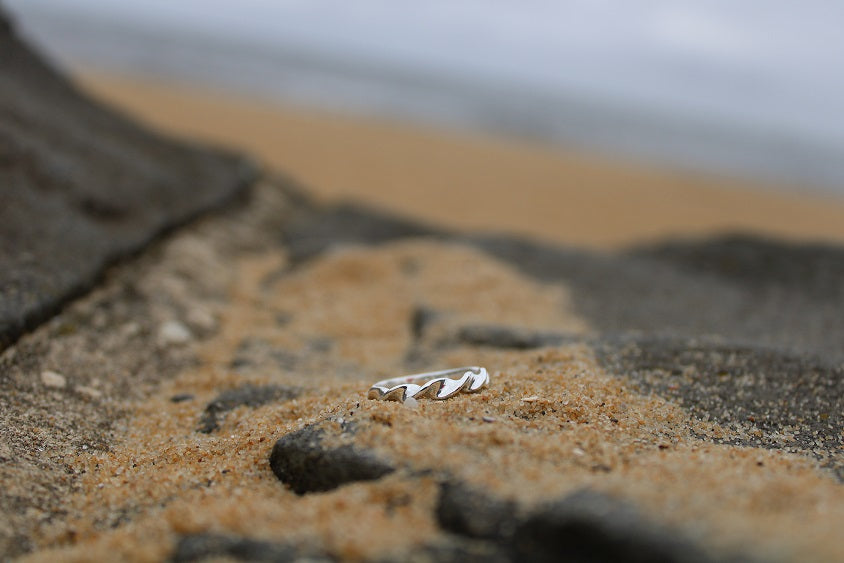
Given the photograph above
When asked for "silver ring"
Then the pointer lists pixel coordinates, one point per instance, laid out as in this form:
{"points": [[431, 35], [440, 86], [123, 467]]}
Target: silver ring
{"points": [[437, 384]]}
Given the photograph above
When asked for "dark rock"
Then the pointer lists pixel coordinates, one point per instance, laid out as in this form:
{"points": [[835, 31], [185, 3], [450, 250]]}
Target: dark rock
{"points": [[316, 230], [181, 398], [419, 354], [469, 512], [816, 269], [247, 395], [252, 352], [420, 320], [454, 549], [301, 461], [497, 336], [585, 526], [769, 394], [283, 318], [588, 526], [198, 547], [84, 186], [658, 292], [320, 345]]}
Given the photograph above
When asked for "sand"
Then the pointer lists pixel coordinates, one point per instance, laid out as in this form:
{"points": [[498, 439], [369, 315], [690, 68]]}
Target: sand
{"points": [[128, 474], [471, 182], [551, 422]]}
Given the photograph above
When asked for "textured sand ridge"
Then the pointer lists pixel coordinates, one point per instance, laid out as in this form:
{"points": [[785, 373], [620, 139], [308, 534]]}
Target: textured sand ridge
{"points": [[552, 422]]}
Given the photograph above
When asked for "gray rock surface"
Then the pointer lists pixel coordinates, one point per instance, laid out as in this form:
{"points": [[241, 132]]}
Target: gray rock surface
{"points": [[774, 399], [587, 526], [246, 395], [83, 186], [649, 291]]}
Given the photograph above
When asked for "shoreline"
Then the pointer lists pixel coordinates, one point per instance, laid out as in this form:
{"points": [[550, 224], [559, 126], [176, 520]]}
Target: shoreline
{"points": [[468, 181]]}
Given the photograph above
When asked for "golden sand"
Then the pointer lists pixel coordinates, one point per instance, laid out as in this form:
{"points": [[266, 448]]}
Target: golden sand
{"points": [[465, 181], [551, 422]]}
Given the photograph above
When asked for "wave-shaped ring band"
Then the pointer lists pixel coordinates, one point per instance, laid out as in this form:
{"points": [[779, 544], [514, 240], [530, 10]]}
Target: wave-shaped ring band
{"points": [[437, 385]]}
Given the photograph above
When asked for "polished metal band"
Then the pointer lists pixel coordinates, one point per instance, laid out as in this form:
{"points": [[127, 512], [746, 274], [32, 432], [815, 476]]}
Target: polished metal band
{"points": [[437, 384]]}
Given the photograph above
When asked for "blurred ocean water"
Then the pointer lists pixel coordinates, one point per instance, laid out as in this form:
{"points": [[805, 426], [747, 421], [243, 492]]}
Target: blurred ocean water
{"points": [[753, 87]]}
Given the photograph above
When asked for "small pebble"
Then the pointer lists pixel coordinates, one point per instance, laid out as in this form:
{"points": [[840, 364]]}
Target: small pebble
{"points": [[578, 452], [202, 319], [89, 391], [53, 379], [174, 332], [181, 398], [488, 419], [410, 402], [531, 399]]}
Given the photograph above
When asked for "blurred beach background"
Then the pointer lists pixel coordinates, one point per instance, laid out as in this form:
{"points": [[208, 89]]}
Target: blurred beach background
{"points": [[591, 123]]}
